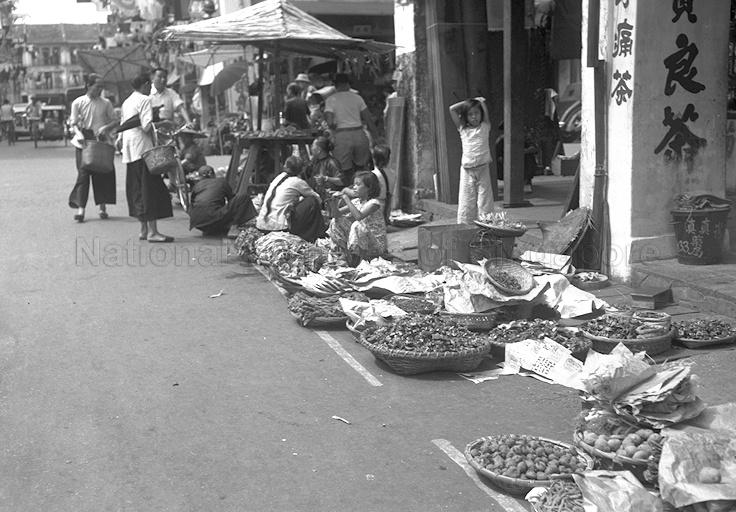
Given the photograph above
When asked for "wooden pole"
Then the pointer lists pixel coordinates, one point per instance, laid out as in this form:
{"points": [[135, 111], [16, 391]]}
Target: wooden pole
{"points": [[514, 55], [276, 82], [260, 87]]}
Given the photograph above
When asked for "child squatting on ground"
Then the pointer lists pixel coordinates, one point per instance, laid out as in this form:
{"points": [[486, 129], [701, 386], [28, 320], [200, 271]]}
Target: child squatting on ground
{"points": [[475, 192]]}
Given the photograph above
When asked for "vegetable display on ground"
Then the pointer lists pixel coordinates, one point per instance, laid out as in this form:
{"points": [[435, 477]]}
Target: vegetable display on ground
{"points": [[536, 329], [527, 457], [424, 333], [704, 329]]}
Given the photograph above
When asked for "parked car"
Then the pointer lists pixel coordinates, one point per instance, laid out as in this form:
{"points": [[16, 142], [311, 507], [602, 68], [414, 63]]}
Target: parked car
{"points": [[22, 125]]}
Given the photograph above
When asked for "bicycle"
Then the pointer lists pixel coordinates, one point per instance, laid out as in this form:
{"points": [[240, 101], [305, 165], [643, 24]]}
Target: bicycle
{"points": [[165, 135]]}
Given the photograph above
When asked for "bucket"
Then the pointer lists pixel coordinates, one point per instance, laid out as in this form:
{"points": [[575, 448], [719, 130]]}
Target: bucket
{"points": [[161, 159], [98, 157], [699, 234]]}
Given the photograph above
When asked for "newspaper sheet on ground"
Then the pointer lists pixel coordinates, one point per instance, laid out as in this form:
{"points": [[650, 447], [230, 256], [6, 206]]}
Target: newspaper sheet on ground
{"points": [[546, 358]]}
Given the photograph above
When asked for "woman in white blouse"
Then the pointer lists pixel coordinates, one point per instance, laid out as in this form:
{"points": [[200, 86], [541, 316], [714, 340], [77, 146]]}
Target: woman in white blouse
{"points": [[148, 199], [291, 205]]}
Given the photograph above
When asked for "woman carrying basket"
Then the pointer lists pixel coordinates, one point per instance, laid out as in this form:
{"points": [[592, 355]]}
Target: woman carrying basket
{"points": [[148, 199], [92, 117]]}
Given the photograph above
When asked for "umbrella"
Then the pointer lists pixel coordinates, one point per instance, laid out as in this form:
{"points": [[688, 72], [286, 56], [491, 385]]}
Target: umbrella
{"points": [[119, 64], [229, 75], [275, 25]]}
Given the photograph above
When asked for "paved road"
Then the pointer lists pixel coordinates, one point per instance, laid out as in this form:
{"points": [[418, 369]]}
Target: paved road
{"points": [[125, 387]]}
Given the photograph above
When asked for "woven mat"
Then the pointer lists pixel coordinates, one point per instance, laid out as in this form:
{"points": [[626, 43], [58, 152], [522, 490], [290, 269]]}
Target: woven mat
{"points": [[559, 237]]}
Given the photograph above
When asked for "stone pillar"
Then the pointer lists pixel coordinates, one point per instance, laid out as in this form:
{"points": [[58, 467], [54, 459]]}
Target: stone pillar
{"points": [[666, 118]]}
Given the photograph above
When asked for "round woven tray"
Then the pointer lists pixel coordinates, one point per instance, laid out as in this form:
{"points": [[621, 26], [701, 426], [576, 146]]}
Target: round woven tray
{"points": [[512, 268], [424, 306], [520, 486], [498, 350], [651, 346], [404, 362], [693, 343], [611, 460], [501, 232], [476, 322], [284, 282], [322, 321]]}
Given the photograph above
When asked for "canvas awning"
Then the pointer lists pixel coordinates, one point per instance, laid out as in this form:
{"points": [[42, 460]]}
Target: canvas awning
{"points": [[213, 55], [275, 25]]}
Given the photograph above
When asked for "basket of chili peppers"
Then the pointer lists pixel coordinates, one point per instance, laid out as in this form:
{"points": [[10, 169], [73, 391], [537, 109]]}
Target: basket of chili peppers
{"points": [[609, 330], [418, 343], [508, 276], [703, 332]]}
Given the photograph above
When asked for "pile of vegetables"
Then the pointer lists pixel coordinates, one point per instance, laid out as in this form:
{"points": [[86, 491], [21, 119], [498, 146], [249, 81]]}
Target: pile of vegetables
{"points": [[702, 329], [505, 279], [608, 433], [424, 333], [527, 457], [500, 219], [536, 329], [413, 304], [288, 254], [306, 308], [619, 327], [561, 496], [245, 243]]}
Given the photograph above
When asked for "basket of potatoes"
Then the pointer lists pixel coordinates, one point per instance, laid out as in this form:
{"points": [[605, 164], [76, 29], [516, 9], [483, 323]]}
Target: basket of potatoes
{"points": [[518, 463], [620, 446]]}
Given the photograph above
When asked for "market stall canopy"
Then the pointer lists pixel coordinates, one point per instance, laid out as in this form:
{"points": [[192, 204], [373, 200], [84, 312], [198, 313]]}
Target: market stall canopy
{"points": [[213, 55], [275, 24], [115, 65]]}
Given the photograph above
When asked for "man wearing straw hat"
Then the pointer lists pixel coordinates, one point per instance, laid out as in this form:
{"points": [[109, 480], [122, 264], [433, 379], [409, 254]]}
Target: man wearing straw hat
{"points": [[92, 116], [303, 81]]}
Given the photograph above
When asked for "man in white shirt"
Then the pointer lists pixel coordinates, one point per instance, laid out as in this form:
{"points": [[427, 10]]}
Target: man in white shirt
{"points": [[165, 100], [148, 199], [346, 113], [92, 117]]}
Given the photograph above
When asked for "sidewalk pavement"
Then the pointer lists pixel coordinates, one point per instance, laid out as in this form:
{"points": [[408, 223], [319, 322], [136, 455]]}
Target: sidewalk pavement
{"points": [[695, 288]]}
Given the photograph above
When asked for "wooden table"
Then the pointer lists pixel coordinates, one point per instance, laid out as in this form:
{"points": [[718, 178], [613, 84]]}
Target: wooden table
{"points": [[245, 179]]}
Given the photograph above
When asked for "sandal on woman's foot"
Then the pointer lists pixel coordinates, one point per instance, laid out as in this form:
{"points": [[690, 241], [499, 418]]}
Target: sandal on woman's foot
{"points": [[104, 215], [79, 217], [163, 240]]}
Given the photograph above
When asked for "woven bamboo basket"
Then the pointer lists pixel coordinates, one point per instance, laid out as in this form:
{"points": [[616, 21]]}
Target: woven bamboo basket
{"points": [[476, 322], [520, 486], [287, 284], [513, 269], [693, 343], [351, 327], [612, 461], [405, 362], [652, 346], [500, 231], [161, 159], [322, 321], [498, 350], [419, 303]]}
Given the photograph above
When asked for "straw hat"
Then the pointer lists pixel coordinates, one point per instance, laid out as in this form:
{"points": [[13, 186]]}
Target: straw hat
{"points": [[194, 133], [302, 77]]}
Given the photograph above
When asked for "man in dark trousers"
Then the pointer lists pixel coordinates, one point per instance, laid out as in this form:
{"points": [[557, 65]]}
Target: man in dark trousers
{"points": [[215, 207]]}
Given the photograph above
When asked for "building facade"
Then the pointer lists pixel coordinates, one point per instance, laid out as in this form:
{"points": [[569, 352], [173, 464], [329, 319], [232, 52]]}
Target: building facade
{"points": [[49, 56]]}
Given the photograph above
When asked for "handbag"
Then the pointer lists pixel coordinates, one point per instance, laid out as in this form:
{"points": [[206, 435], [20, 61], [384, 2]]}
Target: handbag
{"points": [[98, 157]]}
